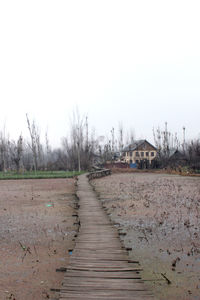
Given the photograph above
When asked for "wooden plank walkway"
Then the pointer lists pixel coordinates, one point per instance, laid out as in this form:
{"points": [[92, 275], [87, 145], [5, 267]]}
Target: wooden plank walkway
{"points": [[99, 267]]}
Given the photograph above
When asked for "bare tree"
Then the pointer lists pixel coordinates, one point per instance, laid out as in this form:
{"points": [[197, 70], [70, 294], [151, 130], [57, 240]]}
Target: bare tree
{"points": [[165, 141], [193, 152], [16, 151], [130, 136], [80, 145], [75, 143], [35, 144], [2, 152], [121, 138], [48, 152]]}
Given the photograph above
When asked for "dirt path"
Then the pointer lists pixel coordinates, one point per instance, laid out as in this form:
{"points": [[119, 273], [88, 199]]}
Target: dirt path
{"points": [[36, 232], [160, 215]]}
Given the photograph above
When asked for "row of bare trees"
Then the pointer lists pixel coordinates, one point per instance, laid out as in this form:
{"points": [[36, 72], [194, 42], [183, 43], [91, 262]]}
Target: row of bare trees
{"points": [[80, 149], [24, 154], [193, 152], [78, 146], [167, 143]]}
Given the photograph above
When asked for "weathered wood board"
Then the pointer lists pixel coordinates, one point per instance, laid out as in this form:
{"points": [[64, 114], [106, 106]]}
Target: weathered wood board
{"points": [[99, 267]]}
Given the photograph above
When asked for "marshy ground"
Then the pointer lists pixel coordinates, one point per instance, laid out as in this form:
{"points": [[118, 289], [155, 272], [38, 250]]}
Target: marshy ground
{"points": [[36, 232], [161, 215]]}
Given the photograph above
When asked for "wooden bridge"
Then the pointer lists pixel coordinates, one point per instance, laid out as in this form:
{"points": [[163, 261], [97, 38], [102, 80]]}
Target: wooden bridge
{"points": [[99, 267], [100, 173]]}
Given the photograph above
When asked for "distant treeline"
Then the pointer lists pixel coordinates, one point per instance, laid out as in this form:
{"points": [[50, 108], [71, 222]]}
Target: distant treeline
{"points": [[80, 149], [175, 153]]}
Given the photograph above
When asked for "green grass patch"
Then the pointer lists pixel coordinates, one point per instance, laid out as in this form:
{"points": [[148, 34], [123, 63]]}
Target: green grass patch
{"points": [[39, 174]]}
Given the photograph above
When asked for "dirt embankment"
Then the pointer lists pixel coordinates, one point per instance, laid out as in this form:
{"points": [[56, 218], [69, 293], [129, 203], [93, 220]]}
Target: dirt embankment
{"points": [[161, 215], [36, 232]]}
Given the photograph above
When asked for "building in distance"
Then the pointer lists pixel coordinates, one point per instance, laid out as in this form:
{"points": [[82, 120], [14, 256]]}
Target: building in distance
{"points": [[140, 154]]}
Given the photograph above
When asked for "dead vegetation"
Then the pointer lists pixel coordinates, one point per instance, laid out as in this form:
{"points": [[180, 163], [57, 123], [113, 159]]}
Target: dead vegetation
{"points": [[161, 215], [37, 230]]}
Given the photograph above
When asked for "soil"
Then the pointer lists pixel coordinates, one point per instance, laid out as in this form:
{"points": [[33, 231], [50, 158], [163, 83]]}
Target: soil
{"points": [[160, 215], [36, 232]]}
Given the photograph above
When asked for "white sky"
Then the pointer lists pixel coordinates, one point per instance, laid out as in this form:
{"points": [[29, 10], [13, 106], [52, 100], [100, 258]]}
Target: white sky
{"points": [[135, 62]]}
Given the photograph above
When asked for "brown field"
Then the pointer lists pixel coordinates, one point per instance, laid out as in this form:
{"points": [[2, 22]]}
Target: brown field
{"points": [[36, 231], [161, 215]]}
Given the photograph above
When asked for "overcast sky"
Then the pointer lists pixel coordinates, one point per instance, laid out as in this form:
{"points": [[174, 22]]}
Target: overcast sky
{"points": [[135, 62]]}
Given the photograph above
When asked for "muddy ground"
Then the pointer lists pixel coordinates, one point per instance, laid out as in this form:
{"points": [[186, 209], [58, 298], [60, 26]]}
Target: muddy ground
{"points": [[36, 232], [161, 215]]}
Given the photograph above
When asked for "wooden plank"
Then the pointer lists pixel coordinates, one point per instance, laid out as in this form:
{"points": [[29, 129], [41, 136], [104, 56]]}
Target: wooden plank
{"points": [[105, 275], [99, 266], [97, 269], [109, 281], [90, 297]]}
